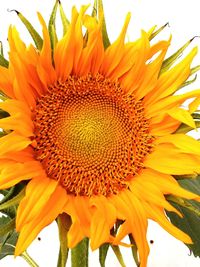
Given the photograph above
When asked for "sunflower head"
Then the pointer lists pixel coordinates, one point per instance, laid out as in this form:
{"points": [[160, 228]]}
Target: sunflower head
{"points": [[92, 127]]}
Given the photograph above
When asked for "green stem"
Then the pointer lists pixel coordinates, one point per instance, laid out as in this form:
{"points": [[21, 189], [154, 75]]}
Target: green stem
{"points": [[28, 259], [79, 254]]}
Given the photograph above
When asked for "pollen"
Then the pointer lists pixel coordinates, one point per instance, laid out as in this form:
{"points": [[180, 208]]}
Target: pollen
{"points": [[90, 135]]}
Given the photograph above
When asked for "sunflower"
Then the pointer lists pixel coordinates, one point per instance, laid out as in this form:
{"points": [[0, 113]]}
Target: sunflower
{"points": [[92, 132]]}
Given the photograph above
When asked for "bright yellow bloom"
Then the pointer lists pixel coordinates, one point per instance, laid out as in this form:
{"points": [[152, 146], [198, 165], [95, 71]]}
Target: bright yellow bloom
{"points": [[93, 133]]}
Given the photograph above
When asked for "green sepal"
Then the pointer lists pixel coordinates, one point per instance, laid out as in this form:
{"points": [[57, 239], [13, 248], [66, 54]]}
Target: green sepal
{"points": [[183, 128], [195, 69], [4, 62], [98, 9], [168, 62], [13, 201], [191, 213], [34, 34], [103, 250], [3, 114], [188, 82], [79, 254], [2, 133], [7, 244], [3, 97], [65, 21], [155, 33], [1, 48], [6, 225], [64, 223], [196, 116], [118, 254], [192, 71], [52, 26], [134, 250]]}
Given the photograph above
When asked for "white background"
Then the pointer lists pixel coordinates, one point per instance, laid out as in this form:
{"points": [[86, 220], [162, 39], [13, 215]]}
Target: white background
{"points": [[184, 19]]}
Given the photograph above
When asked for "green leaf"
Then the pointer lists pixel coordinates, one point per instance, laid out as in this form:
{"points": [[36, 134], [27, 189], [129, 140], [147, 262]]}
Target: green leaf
{"points": [[6, 225], [52, 26], [79, 254], [155, 33], [65, 21], [34, 34], [64, 223], [167, 63], [13, 201], [7, 244], [191, 212], [7, 195], [103, 250]]}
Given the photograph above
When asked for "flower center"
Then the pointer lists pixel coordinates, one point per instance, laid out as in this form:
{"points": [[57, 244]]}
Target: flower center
{"points": [[90, 135]]}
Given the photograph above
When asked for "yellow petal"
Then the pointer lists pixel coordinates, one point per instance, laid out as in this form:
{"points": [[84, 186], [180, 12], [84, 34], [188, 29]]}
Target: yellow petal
{"points": [[182, 115], [194, 105], [131, 80], [13, 142], [149, 192], [114, 52], [158, 215], [6, 81], [44, 217], [172, 161], [170, 81], [153, 69], [38, 192], [163, 105], [45, 59], [104, 217], [185, 143], [166, 183], [162, 125], [18, 172]]}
